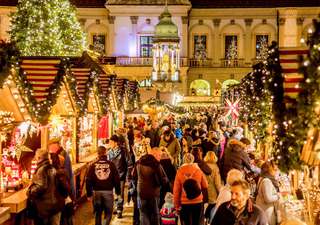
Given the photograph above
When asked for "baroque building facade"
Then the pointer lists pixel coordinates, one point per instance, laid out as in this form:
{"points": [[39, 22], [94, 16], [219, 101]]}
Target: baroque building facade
{"points": [[219, 40]]}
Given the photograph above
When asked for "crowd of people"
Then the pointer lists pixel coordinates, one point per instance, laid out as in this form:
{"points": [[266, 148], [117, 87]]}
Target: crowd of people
{"points": [[191, 170]]}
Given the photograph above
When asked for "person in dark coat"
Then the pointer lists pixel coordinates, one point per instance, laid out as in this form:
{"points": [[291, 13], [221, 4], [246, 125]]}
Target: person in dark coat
{"points": [[43, 191], [211, 143], [102, 178], [149, 176], [235, 157], [239, 210], [197, 153], [170, 170], [118, 156]]}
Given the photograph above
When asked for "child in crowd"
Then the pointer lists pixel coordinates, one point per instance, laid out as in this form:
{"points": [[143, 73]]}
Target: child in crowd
{"points": [[168, 212]]}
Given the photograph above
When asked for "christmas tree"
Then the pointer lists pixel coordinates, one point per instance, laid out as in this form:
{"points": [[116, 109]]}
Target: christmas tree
{"points": [[46, 28], [262, 47], [232, 52]]}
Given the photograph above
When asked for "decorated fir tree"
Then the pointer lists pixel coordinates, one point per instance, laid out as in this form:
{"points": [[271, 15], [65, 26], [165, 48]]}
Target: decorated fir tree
{"points": [[46, 28], [262, 53], [232, 51]]}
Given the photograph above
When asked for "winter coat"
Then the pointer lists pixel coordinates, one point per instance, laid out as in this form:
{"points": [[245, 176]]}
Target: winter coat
{"points": [[43, 191], [205, 168], [119, 158], [183, 173], [169, 169], [149, 176], [102, 176], [267, 199], [214, 183], [235, 157], [210, 145], [226, 216], [174, 149], [68, 167]]}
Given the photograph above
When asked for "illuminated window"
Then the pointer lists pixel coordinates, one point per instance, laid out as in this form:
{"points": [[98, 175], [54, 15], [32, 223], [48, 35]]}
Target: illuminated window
{"points": [[231, 46], [146, 46], [261, 43]]}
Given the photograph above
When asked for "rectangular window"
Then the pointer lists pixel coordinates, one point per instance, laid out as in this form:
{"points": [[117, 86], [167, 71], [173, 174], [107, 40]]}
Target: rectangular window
{"points": [[146, 46], [231, 47], [261, 45], [200, 46], [99, 43]]}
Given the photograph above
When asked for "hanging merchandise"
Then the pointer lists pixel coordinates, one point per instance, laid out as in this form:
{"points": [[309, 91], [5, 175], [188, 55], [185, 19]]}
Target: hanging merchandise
{"points": [[85, 135]]}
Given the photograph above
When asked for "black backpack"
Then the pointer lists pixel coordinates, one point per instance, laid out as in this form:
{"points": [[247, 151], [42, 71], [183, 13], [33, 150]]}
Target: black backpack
{"points": [[191, 187]]}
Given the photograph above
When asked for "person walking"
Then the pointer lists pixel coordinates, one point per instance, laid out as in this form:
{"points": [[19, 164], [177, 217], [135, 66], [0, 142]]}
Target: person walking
{"points": [[118, 156], [172, 144], [190, 192], [214, 182], [102, 178], [149, 176], [268, 197], [239, 210], [47, 202]]}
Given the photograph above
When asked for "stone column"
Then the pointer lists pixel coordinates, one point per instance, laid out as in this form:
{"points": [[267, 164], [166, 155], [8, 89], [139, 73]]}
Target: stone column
{"points": [[282, 22], [299, 29], [248, 53], [215, 40], [112, 36], [134, 21], [184, 37]]}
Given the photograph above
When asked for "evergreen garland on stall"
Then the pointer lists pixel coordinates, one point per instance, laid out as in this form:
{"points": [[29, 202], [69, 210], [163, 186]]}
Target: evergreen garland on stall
{"points": [[284, 139]]}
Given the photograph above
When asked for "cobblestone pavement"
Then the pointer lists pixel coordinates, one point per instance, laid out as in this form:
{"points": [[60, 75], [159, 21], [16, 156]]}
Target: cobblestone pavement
{"points": [[84, 215]]}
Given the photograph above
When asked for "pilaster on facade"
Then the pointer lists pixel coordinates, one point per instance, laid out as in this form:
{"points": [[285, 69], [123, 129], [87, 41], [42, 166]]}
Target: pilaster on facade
{"points": [[248, 40], [184, 36], [216, 40], [112, 34]]}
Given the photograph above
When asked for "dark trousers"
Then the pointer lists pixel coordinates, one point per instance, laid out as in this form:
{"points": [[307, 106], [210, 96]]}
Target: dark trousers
{"points": [[149, 211], [191, 214], [136, 214], [103, 202], [120, 198], [207, 213]]}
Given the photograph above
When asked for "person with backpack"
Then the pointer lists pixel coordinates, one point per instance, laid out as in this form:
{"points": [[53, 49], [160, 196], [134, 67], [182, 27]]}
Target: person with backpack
{"points": [[43, 193], [101, 179], [190, 192]]}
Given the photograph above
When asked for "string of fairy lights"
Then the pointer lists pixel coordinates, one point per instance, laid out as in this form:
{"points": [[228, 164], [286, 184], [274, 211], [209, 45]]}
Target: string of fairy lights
{"points": [[268, 114]]}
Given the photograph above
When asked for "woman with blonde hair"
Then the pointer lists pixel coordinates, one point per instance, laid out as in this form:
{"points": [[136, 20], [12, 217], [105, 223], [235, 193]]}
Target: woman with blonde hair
{"points": [[268, 197], [214, 181]]}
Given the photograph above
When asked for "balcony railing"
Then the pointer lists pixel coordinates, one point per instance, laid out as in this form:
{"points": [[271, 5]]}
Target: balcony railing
{"points": [[148, 61], [232, 62], [142, 61], [200, 63]]}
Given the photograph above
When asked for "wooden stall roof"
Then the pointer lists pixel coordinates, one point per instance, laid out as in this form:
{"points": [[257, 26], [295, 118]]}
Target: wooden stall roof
{"points": [[40, 73]]}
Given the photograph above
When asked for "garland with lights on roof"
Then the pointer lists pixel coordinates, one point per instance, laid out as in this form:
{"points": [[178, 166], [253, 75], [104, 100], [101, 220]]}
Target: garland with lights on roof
{"points": [[41, 111], [47, 28], [286, 150]]}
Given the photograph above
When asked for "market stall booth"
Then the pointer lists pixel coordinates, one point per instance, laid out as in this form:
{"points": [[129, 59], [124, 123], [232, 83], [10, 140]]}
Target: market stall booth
{"points": [[20, 136]]}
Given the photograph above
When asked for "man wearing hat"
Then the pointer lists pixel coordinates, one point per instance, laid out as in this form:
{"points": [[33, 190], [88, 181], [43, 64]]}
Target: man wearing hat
{"points": [[55, 147], [118, 156]]}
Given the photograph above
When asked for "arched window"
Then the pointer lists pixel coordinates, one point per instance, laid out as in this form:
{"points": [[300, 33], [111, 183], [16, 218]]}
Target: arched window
{"points": [[200, 88], [228, 83]]}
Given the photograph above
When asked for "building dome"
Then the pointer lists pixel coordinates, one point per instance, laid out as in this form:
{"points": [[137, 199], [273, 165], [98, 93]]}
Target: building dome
{"points": [[166, 30]]}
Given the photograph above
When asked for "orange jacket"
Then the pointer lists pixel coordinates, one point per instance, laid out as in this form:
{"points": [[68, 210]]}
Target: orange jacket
{"points": [[182, 174]]}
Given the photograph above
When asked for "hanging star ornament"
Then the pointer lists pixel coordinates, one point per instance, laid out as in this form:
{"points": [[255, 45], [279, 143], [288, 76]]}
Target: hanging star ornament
{"points": [[18, 149]]}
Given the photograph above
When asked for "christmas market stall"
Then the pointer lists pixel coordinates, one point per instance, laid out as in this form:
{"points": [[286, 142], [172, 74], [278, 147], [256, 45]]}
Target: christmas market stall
{"points": [[19, 138], [281, 108]]}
